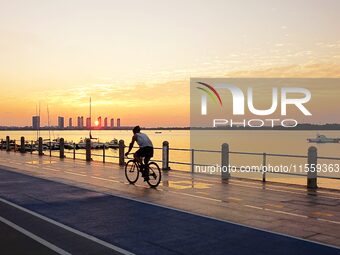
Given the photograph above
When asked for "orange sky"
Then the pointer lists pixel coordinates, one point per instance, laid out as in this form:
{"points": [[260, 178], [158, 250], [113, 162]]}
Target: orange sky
{"points": [[135, 58]]}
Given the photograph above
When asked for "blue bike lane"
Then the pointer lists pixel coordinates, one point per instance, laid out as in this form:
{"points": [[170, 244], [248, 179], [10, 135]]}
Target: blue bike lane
{"points": [[143, 228]]}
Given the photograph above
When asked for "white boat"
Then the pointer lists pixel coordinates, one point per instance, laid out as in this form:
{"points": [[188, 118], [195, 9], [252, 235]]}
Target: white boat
{"points": [[44, 146], [113, 144], [55, 144], [94, 144], [323, 139]]}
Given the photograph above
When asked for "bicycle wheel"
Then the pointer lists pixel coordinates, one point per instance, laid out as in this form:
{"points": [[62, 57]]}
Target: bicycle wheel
{"points": [[155, 175], [131, 171]]}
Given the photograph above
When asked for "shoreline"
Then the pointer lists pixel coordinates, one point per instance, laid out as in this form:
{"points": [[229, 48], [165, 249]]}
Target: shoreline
{"points": [[335, 127]]}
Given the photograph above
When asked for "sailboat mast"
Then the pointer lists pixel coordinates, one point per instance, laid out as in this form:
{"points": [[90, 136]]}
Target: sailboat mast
{"points": [[36, 114], [90, 119], [39, 119], [48, 121]]}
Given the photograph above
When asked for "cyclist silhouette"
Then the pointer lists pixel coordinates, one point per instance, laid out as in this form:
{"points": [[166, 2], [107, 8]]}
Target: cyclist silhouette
{"points": [[145, 150]]}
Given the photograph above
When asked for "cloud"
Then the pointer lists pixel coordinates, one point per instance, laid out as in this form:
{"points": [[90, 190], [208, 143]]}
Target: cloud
{"points": [[313, 70], [114, 94], [158, 103]]}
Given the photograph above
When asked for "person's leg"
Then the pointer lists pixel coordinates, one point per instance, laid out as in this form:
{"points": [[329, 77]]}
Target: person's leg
{"points": [[146, 168], [146, 162], [139, 154], [148, 155], [138, 157]]}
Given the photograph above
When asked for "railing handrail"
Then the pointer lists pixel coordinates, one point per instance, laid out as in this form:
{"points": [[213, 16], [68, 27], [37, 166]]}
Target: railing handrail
{"points": [[205, 150], [37, 145]]}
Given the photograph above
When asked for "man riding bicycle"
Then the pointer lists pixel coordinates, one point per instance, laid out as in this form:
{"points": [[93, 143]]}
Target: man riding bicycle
{"points": [[145, 150]]}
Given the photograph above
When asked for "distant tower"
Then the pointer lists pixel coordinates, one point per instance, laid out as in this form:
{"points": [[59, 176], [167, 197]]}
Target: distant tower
{"points": [[105, 122], [70, 122], [118, 122], [78, 122], [60, 122], [112, 123], [99, 121], [88, 123], [82, 121], [35, 122]]}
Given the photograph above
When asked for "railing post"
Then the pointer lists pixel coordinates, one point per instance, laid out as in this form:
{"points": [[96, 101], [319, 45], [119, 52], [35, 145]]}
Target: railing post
{"points": [[312, 168], [40, 146], [121, 153], [8, 148], [14, 145], [264, 164], [225, 174], [192, 160], [104, 153], [165, 156], [61, 148], [22, 145], [74, 150], [88, 149], [50, 147]]}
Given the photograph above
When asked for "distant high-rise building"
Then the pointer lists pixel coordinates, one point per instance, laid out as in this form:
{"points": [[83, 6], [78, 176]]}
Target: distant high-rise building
{"points": [[88, 123], [105, 122], [82, 121], [35, 122], [61, 122], [78, 122], [99, 121], [112, 123], [118, 122], [70, 122]]}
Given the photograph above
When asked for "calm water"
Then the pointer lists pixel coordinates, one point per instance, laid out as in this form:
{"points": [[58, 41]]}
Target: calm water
{"points": [[280, 142]]}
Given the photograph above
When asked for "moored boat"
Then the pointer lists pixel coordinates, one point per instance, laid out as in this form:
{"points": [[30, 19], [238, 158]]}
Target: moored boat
{"points": [[113, 144], [323, 139]]}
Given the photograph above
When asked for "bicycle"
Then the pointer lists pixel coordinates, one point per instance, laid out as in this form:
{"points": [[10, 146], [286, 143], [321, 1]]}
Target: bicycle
{"points": [[133, 168]]}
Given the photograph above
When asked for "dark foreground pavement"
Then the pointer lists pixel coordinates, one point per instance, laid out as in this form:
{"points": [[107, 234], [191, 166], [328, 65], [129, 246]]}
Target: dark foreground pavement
{"points": [[137, 227], [14, 242]]}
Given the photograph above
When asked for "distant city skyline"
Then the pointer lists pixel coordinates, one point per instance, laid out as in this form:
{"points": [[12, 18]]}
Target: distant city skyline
{"points": [[90, 123]]}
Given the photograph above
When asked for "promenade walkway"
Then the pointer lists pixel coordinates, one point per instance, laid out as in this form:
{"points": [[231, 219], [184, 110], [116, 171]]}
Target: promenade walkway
{"points": [[187, 214]]}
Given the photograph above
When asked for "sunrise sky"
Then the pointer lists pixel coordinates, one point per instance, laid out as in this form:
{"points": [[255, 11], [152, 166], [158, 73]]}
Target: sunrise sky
{"points": [[135, 57]]}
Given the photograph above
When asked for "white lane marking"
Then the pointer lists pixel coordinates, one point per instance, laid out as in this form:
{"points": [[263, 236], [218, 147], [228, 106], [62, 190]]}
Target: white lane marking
{"points": [[75, 231], [277, 211], [52, 169], [144, 187], [67, 172], [103, 179], [330, 221], [34, 237], [254, 207], [190, 195], [255, 186]]}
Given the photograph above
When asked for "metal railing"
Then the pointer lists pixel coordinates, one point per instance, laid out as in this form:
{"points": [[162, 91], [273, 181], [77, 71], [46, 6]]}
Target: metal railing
{"points": [[39, 147]]}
